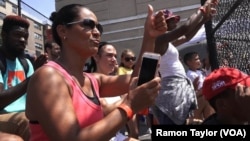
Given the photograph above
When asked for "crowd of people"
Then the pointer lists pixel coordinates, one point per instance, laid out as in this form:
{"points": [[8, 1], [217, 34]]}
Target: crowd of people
{"points": [[54, 97]]}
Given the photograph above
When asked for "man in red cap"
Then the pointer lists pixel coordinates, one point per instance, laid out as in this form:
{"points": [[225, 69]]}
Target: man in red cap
{"points": [[228, 92]]}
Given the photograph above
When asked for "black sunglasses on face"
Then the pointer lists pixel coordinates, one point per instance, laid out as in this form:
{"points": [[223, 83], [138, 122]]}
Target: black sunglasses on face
{"points": [[127, 59], [88, 23]]}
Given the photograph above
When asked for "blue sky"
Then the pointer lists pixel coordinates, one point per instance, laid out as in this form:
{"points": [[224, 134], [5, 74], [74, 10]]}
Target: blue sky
{"points": [[43, 6]]}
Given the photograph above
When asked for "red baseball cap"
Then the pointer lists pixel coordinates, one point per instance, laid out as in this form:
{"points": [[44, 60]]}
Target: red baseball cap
{"points": [[169, 15], [222, 79]]}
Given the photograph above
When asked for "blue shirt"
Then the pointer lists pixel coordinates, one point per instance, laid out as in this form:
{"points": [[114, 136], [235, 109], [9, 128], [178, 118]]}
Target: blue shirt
{"points": [[14, 75]]}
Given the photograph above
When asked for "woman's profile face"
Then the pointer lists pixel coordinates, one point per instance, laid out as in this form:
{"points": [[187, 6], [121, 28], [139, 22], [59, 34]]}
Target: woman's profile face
{"points": [[83, 34]]}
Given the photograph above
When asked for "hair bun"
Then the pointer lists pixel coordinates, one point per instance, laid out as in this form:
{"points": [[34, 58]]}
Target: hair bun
{"points": [[53, 16]]}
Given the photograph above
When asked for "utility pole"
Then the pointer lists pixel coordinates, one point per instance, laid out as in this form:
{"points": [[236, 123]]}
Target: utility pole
{"points": [[19, 7]]}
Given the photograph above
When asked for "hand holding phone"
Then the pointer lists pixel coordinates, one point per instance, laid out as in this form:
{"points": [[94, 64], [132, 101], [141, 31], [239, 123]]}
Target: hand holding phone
{"points": [[149, 67]]}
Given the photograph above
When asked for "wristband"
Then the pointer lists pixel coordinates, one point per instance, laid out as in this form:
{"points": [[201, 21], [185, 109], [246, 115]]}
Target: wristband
{"points": [[202, 9], [127, 110]]}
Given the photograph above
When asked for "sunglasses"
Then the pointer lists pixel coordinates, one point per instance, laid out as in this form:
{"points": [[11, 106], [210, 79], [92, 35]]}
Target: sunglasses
{"points": [[127, 59], [88, 23]]}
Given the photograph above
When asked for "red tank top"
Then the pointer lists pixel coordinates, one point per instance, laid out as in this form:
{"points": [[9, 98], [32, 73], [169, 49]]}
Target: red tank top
{"points": [[87, 112]]}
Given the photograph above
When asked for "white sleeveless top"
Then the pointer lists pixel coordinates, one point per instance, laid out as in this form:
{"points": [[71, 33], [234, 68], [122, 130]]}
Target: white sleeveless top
{"points": [[170, 64]]}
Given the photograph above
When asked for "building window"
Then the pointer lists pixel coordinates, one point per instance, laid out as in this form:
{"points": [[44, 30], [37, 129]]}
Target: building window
{"points": [[14, 9], [38, 36], [37, 26], [38, 46], [2, 15], [3, 3]]}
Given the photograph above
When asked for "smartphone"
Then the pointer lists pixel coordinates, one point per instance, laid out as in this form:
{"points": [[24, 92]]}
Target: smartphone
{"points": [[149, 67]]}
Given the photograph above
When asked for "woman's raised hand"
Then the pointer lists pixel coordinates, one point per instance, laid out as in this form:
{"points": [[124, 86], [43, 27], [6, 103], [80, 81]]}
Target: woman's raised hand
{"points": [[155, 24]]}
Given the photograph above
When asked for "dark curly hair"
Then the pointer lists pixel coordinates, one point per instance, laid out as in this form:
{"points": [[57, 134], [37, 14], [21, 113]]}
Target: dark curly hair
{"points": [[12, 20]]}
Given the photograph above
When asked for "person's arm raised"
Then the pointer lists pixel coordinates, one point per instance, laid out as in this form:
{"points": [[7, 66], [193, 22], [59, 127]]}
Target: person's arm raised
{"points": [[204, 14], [187, 30], [155, 25]]}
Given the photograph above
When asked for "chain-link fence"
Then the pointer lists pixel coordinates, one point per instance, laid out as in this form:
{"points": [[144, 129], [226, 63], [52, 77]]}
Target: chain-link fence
{"points": [[228, 35]]}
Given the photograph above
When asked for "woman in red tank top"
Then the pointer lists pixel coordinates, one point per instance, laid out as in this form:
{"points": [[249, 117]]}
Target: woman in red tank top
{"points": [[63, 102]]}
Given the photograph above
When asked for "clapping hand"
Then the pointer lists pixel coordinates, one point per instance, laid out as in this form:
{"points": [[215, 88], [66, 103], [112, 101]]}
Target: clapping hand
{"points": [[42, 59]]}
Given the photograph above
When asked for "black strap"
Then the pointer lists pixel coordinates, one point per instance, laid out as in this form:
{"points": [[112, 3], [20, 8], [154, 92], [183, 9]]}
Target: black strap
{"points": [[3, 63], [25, 65]]}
